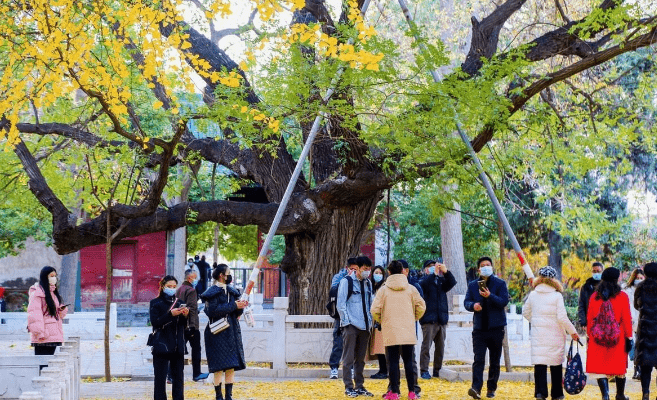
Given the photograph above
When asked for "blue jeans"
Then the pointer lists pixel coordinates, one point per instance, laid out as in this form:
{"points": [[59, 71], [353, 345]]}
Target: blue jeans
{"points": [[336, 352]]}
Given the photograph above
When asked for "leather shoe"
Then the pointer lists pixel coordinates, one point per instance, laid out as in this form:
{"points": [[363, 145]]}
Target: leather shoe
{"points": [[474, 394], [200, 377], [490, 394]]}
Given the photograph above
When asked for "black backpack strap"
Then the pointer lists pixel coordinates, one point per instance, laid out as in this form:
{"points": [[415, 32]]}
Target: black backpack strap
{"points": [[350, 286]]}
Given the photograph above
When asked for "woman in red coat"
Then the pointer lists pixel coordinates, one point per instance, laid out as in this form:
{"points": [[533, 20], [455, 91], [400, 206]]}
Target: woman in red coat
{"points": [[609, 361]]}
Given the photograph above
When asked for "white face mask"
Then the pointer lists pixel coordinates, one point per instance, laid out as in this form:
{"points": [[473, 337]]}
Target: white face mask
{"points": [[365, 274], [637, 281], [486, 271], [52, 280]]}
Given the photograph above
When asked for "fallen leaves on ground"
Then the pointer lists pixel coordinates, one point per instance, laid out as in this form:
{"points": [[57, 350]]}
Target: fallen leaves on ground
{"points": [[435, 389]]}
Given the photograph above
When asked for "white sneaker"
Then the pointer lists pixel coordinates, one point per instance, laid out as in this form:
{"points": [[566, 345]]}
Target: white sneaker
{"points": [[334, 373]]}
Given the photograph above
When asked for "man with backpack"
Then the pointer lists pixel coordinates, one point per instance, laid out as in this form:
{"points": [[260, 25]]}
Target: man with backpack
{"points": [[336, 351], [354, 303]]}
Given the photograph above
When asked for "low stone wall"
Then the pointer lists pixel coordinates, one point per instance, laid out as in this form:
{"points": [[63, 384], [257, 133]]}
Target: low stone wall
{"points": [[276, 340], [26, 377], [89, 325]]}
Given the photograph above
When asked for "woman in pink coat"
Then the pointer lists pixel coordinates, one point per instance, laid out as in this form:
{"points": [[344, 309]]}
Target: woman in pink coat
{"points": [[45, 313]]}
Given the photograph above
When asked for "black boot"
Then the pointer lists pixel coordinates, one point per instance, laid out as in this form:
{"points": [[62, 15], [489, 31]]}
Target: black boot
{"points": [[603, 383], [646, 396], [637, 373], [620, 389], [217, 391], [229, 391]]}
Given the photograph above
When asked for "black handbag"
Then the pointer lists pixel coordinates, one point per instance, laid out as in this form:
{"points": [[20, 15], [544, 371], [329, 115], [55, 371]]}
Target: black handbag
{"points": [[574, 380], [152, 337]]}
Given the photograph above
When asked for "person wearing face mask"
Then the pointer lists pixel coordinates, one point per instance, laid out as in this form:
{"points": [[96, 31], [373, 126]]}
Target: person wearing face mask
{"points": [[586, 291], [336, 350], [353, 304], [224, 350], [435, 285], [486, 297], [636, 277], [376, 348], [187, 295], [169, 319], [45, 313], [397, 307]]}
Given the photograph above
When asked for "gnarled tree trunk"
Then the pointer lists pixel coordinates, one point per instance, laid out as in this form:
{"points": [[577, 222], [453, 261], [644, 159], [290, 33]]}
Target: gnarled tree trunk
{"points": [[311, 259]]}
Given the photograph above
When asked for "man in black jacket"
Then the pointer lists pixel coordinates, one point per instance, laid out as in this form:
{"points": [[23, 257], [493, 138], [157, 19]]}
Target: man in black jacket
{"points": [[435, 286], [487, 300], [587, 290]]}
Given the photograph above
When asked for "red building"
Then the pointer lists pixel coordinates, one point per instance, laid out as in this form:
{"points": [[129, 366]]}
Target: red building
{"points": [[138, 265]]}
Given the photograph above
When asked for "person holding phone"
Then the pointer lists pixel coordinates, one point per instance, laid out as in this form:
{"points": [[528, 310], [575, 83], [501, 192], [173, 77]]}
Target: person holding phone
{"points": [[435, 285], [224, 350], [188, 295], [45, 313], [486, 297], [169, 320]]}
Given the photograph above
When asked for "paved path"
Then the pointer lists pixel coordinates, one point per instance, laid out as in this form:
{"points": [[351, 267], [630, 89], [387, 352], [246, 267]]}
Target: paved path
{"points": [[130, 354]]}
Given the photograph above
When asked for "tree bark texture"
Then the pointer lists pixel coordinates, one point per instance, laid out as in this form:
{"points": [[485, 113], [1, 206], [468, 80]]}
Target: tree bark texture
{"points": [[311, 260], [69, 278], [451, 238]]}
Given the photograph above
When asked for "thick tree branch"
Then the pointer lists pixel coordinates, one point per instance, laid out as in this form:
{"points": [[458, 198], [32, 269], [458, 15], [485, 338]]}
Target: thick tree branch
{"points": [[485, 35], [79, 135], [591, 61], [518, 101], [302, 215], [62, 219]]}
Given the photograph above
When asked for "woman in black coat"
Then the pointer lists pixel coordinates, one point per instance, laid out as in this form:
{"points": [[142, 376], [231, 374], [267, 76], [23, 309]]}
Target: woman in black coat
{"points": [[224, 350], [169, 320], [645, 300]]}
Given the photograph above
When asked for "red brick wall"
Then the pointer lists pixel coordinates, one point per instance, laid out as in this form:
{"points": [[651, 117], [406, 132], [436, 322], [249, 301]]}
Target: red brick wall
{"points": [[150, 267]]}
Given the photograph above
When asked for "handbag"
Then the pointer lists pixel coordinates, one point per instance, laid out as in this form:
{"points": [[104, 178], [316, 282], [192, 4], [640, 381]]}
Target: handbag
{"points": [[221, 324], [151, 337], [574, 379]]}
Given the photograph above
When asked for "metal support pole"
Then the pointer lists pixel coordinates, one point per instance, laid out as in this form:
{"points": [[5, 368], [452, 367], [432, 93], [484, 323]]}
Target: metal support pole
{"points": [[482, 174], [295, 175]]}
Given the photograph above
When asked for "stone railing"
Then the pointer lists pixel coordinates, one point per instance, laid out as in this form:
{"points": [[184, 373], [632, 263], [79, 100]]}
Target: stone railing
{"points": [[276, 340], [89, 325], [55, 377]]}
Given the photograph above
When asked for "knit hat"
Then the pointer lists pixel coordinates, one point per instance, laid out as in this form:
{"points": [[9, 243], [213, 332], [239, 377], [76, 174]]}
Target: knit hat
{"points": [[427, 263], [611, 274], [650, 270], [548, 272]]}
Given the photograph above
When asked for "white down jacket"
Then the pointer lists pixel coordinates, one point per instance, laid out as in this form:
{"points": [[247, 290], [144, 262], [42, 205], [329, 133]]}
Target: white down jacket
{"points": [[545, 311]]}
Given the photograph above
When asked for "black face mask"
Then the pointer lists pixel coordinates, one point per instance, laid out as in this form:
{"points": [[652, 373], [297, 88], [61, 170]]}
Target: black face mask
{"points": [[229, 279]]}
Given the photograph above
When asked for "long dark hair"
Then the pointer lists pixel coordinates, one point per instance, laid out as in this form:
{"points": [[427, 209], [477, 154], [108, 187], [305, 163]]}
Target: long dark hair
{"points": [[607, 290], [45, 285], [377, 285]]}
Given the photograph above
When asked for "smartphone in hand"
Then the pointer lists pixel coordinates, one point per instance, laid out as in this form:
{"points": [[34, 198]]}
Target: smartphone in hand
{"points": [[482, 285]]}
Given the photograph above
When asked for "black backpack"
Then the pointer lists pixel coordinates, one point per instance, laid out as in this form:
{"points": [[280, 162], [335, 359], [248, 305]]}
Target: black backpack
{"points": [[332, 305]]}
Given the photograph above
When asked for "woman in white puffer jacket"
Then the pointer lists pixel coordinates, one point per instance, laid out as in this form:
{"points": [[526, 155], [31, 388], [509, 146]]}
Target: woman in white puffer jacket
{"points": [[546, 312]]}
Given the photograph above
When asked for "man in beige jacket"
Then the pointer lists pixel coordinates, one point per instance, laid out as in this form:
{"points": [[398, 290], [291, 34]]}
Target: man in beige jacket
{"points": [[397, 306]]}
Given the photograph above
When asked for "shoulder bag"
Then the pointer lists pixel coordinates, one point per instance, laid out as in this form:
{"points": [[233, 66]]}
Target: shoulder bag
{"points": [[221, 324]]}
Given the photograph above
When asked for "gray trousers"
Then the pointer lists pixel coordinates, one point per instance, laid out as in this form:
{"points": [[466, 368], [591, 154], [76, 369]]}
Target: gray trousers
{"points": [[432, 333], [354, 349]]}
